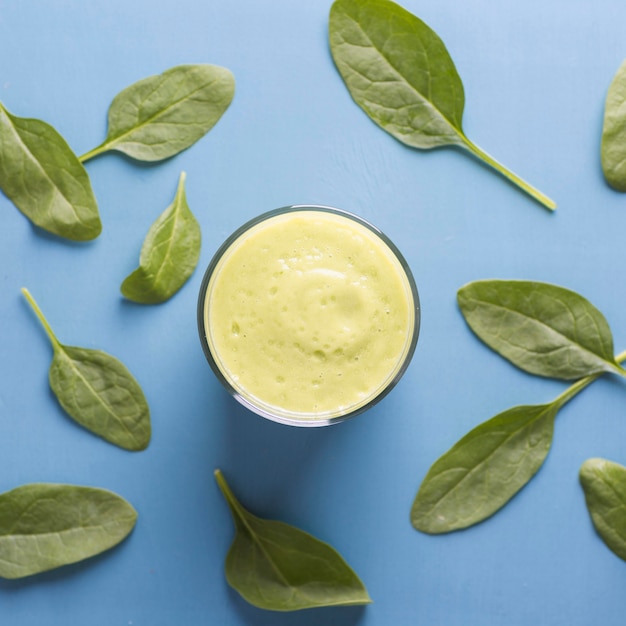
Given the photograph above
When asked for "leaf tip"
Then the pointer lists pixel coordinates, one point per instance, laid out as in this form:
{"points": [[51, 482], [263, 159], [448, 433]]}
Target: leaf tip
{"points": [[31, 301], [591, 466], [219, 478], [142, 444]]}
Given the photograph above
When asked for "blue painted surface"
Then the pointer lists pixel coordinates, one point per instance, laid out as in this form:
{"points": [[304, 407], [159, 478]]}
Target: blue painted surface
{"points": [[535, 77]]}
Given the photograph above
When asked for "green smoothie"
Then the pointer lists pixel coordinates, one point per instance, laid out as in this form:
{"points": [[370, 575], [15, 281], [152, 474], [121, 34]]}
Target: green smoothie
{"points": [[309, 315]]}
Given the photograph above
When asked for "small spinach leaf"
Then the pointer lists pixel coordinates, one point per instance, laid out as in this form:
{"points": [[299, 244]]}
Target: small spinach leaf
{"points": [[169, 254], [541, 328], [484, 470], [400, 73], [46, 525], [160, 116], [613, 145], [604, 484], [97, 391], [278, 567], [45, 180]]}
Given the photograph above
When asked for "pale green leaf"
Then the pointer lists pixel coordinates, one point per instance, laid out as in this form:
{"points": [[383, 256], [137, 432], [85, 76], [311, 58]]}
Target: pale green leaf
{"points": [[484, 469], [541, 328], [159, 116], [604, 484], [45, 180], [44, 526], [278, 567], [98, 391], [169, 254], [613, 144], [399, 71]]}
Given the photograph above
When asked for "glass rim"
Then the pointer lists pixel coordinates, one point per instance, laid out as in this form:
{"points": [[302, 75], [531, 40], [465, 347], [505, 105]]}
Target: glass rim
{"points": [[310, 420]]}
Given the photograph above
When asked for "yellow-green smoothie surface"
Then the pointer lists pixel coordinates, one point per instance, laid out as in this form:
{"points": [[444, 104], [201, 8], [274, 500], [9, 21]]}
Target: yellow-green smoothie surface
{"points": [[309, 314]]}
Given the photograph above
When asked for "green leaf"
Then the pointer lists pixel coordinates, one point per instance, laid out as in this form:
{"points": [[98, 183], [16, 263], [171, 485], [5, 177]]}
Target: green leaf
{"points": [[160, 116], [45, 180], [44, 526], [400, 73], [613, 145], [485, 469], [604, 484], [98, 391], [169, 254], [541, 328], [277, 567]]}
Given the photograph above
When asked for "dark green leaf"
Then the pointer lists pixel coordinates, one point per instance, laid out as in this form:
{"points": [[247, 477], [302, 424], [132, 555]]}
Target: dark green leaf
{"points": [[97, 391], [158, 117], [613, 146], [45, 180], [44, 526], [485, 469], [400, 73], [604, 484], [169, 254], [541, 328], [278, 567]]}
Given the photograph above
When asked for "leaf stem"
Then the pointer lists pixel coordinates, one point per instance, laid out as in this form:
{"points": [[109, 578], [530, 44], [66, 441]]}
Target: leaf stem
{"points": [[180, 189], [514, 178], [92, 153], [55, 342], [233, 503], [579, 385]]}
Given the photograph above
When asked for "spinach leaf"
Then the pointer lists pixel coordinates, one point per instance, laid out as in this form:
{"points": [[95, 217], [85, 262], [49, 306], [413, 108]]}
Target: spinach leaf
{"points": [[278, 567], [160, 116], [604, 484], [45, 180], [613, 145], [541, 328], [484, 470], [400, 73], [45, 525], [97, 391], [169, 254], [488, 466]]}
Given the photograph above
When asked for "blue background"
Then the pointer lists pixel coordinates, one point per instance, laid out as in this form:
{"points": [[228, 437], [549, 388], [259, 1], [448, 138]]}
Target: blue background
{"points": [[535, 76]]}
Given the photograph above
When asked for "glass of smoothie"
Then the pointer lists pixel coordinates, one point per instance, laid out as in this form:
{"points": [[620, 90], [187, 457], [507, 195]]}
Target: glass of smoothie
{"points": [[308, 315]]}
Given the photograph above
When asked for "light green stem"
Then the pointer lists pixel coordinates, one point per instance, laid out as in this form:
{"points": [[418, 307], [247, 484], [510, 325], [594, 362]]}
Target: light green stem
{"points": [[579, 385], [514, 178], [180, 189], [55, 342], [92, 153], [233, 503]]}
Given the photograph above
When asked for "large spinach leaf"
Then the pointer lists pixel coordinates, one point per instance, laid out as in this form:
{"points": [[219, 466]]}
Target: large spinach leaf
{"points": [[159, 116], [98, 391], [398, 70], [543, 329], [278, 567], [45, 525], [45, 180]]}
